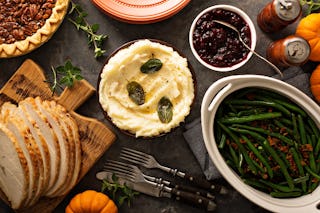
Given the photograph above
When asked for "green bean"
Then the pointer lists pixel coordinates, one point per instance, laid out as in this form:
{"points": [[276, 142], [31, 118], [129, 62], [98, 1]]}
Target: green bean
{"points": [[251, 111], [285, 194], [218, 132], [233, 155], [259, 156], [283, 168], [279, 187], [232, 108], [250, 118], [261, 103], [231, 164], [281, 125], [312, 161], [240, 146], [245, 131], [312, 173], [222, 141], [302, 130], [314, 140], [286, 121], [259, 167], [271, 94], [296, 134], [243, 107], [297, 161], [232, 114], [313, 186], [314, 128], [286, 104], [244, 92], [301, 179], [317, 149], [255, 183], [266, 132]]}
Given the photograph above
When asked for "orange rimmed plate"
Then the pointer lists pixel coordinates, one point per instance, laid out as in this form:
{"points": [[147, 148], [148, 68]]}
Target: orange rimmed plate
{"points": [[142, 11]]}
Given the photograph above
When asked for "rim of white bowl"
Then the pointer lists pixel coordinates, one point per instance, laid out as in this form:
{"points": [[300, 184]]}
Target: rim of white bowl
{"points": [[245, 17], [213, 97]]}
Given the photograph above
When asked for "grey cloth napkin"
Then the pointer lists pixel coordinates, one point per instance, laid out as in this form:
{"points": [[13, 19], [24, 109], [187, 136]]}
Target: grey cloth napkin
{"points": [[193, 133]]}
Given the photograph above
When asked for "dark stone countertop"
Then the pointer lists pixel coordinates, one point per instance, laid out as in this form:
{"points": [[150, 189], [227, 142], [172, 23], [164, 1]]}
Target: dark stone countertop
{"points": [[171, 149]]}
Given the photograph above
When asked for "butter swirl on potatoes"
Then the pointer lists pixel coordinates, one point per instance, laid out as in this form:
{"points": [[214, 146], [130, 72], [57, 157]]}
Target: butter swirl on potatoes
{"points": [[172, 81]]}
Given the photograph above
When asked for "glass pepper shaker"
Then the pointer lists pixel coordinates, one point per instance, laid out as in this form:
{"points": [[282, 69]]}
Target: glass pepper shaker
{"points": [[278, 14]]}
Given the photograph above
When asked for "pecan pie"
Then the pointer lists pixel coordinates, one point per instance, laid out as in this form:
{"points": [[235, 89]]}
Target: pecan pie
{"points": [[26, 24]]}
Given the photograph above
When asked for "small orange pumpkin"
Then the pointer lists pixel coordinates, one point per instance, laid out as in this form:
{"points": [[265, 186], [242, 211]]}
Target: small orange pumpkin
{"points": [[91, 201], [315, 83], [309, 29]]}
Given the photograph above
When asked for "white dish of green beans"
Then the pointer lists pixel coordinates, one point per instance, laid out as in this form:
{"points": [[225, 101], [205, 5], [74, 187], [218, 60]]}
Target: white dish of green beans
{"points": [[263, 136]]}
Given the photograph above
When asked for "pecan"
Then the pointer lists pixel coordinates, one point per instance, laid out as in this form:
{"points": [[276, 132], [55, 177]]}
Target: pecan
{"points": [[22, 18]]}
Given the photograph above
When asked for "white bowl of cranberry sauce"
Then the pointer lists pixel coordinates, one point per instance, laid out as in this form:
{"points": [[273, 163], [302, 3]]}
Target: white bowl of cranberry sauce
{"points": [[218, 47]]}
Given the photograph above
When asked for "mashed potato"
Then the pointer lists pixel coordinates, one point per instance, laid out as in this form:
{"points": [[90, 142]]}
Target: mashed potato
{"points": [[173, 80]]}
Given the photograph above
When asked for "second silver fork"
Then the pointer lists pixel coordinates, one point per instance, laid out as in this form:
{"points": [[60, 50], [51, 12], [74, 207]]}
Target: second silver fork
{"points": [[134, 171], [148, 161]]}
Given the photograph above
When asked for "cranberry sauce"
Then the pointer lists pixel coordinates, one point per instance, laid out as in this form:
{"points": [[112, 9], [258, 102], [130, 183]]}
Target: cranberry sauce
{"points": [[218, 45]]}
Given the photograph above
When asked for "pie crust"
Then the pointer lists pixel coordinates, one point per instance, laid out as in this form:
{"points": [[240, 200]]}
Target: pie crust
{"points": [[42, 35]]}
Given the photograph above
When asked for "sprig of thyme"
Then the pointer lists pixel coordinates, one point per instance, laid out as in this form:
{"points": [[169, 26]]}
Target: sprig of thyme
{"points": [[312, 5], [65, 75], [119, 192], [81, 24]]}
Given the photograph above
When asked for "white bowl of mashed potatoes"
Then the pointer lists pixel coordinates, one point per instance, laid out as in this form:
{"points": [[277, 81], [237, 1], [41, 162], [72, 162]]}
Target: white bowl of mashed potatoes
{"points": [[146, 88]]}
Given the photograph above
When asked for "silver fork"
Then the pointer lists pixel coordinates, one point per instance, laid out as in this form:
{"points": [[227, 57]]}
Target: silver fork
{"points": [[132, 171], [133, 174], [149, 161]]}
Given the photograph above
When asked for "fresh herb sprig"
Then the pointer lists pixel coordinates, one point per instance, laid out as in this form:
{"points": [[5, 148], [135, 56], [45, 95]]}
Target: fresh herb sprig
{"points": [[119, 192], [312, 5], [65, 75], [81, 24]]}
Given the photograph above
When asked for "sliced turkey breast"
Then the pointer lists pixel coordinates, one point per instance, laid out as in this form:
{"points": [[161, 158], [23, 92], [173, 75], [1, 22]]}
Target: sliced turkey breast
{"points": [[76, 138], [55, 111], [43, 157], [71, 129], [41, 142], [31, 157], [29, 106], [14, 175], [64, 148]]}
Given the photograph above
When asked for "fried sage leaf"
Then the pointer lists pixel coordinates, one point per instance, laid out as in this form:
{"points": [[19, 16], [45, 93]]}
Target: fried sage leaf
{"points": [[151, 66], [136, 92], [165, 110]]}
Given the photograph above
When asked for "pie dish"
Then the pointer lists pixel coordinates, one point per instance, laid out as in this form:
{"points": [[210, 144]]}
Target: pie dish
{"points": [[174, 81], [142, 11], [33, 24]]}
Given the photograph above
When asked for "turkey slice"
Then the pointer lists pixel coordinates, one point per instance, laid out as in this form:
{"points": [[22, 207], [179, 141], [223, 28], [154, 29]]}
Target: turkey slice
{"points": [[14, 175], [71, 128], [29, 107], [24, 139], [59, 114], [43, 148], [64, 148], [78, 159]]}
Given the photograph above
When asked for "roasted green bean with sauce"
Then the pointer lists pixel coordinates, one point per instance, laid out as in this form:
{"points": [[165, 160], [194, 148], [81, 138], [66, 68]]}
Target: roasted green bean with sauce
{"points": [[275, 139]]}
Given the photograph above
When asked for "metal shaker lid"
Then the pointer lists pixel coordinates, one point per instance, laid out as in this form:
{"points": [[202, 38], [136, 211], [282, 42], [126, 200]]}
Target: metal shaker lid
{"points": [[287, 10], [297, 50]]}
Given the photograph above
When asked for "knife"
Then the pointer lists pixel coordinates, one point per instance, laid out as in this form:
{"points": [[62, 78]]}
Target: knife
{"points": [[160, 190]]}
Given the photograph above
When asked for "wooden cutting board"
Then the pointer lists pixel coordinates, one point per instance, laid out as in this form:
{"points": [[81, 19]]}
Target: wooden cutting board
{"points": [[96, 138]]}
